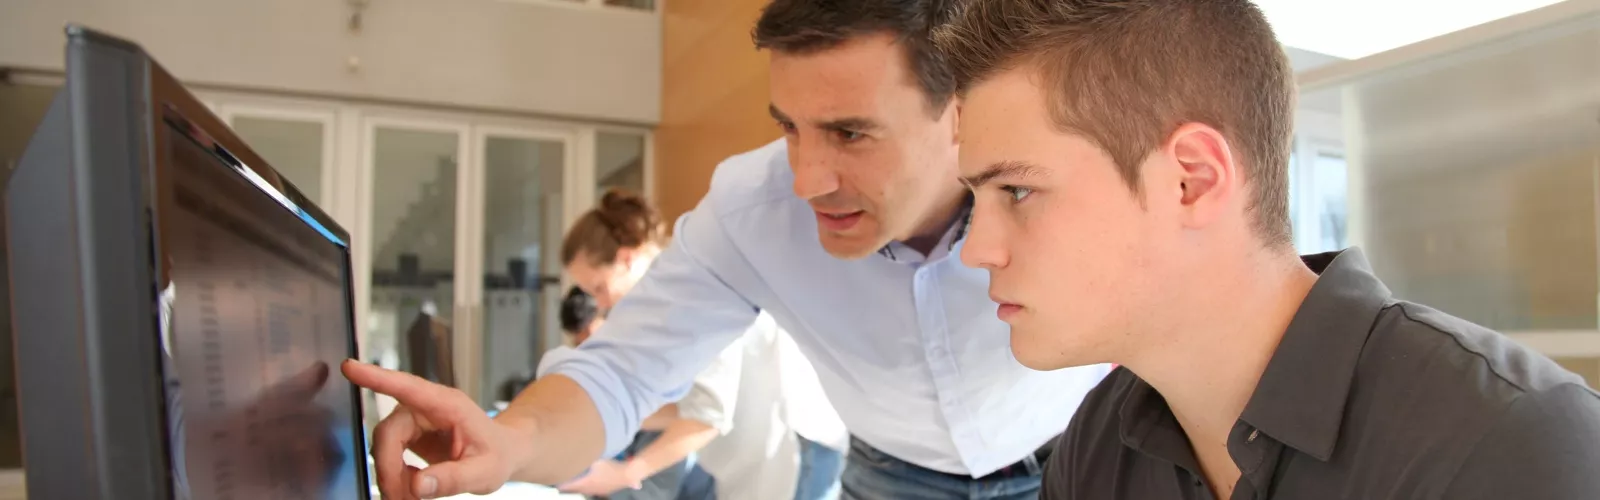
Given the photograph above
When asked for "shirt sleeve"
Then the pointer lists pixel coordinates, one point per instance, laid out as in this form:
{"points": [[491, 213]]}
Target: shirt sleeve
{"points": [[1547, 446], [663, 332]]}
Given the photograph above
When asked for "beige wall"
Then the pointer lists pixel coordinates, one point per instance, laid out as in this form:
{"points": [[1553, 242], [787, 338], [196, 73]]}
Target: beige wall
{"points": [[714, 96], [528, 57]]}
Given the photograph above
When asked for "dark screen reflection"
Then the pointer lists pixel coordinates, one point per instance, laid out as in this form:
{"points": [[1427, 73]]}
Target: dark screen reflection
{"points": [[254, 327]]}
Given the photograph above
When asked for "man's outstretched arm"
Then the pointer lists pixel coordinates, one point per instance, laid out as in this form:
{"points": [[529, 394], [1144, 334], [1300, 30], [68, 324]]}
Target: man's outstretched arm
{"points": [[589, 401]]}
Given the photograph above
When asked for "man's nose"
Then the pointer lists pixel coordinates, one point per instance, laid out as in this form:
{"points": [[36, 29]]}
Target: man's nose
{"points": [[814, 174]]}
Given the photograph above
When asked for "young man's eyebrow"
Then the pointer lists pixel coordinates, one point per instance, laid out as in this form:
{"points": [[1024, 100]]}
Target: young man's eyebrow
{"points": [[1004, 168]]}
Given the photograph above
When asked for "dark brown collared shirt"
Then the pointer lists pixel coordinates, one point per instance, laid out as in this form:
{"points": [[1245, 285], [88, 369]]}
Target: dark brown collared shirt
{"points": [[1367, 397]]}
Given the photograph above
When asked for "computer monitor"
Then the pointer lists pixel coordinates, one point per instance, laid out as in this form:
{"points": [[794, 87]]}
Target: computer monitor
{"points": [[181, 310]]}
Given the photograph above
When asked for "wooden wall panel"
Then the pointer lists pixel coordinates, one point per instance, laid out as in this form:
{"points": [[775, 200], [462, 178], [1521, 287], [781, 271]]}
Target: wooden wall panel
{"points": [[713, 96]]}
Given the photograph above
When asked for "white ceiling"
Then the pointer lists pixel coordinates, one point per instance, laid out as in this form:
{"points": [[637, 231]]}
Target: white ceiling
{"points": [[1351, 29]]}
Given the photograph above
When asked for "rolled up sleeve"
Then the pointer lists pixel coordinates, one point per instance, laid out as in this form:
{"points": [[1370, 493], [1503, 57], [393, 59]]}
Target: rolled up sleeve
{"points": [[669, 328]]}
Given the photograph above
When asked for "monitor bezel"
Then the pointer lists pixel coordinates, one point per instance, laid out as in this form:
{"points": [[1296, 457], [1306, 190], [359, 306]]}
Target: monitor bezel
{"points": [[171, 102], [85, 277]]}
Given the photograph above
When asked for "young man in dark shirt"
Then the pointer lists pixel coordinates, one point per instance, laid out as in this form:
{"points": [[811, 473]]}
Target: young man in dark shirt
{"points": [[1129, 164]]}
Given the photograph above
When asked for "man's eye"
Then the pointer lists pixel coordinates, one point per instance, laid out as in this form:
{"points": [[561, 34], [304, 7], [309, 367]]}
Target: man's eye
{"points": [[849, 135], [788, 128], [1017, 193]]}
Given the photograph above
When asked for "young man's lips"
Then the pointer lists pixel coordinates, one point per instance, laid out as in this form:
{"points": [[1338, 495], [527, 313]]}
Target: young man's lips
{"points": [[1007, 311], [838, 221]]}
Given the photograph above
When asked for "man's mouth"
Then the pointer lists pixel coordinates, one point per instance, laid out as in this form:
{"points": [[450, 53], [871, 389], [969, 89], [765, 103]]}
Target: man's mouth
{"points": [[838, 221]]}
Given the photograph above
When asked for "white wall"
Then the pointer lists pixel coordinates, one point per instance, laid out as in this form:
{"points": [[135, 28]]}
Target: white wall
{"points": [[528, 56]]}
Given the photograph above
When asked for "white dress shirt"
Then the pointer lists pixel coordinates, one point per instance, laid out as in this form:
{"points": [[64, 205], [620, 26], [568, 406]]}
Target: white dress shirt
{"points": [[758, 394], [747, 395], [907, 347]]}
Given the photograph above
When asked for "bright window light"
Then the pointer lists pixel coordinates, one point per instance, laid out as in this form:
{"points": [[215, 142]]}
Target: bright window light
{"points": [[1359, 28]]}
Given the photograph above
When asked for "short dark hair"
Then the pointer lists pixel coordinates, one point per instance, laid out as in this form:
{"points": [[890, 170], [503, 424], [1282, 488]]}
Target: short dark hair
{"points": [[577, 311], [807, 26], [1126, 73]]}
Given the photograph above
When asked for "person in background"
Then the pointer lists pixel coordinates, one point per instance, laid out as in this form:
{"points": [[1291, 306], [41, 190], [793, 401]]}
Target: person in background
{"points": [[1129, 162], [681, 479], [727, 416], [845, 232], [580, 317]]}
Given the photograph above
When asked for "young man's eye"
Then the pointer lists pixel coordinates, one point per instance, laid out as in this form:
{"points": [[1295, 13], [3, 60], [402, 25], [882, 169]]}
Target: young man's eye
{"points": [[1017, 194], [849, 135], [788, 128]]}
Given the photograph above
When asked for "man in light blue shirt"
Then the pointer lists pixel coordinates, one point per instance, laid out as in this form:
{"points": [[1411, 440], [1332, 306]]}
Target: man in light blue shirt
{"points": [[847, 232]]}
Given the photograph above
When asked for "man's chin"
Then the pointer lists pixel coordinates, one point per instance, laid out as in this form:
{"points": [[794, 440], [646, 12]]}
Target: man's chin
{"points": [[847, 247]]}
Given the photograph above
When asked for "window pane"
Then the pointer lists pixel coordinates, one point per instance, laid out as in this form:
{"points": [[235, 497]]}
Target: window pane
{"points": [[522, 231], [293, 147], [1476, 173], [1331, 174], [619, 162], [413, 249]]}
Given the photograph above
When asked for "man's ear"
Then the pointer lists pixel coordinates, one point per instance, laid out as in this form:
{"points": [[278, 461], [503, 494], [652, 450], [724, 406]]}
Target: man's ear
{"points": [[1208, 172]]}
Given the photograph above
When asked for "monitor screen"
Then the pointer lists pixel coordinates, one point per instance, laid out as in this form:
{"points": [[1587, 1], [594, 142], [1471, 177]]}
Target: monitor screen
{"points": [[255, 320]]}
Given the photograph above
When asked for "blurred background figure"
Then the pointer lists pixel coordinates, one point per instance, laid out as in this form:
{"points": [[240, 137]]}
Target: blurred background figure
{"points": [[678, 480], [726, 424], [580, 317]]}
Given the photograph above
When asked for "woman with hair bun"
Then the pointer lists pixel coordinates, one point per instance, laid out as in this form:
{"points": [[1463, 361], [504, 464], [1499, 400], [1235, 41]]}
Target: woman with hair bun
{"points": [[724, 423]]}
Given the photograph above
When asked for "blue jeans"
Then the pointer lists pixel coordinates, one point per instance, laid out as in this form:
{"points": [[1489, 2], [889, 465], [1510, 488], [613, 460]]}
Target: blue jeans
{"points": [[820, 467], [874, 475], [681, 481]]}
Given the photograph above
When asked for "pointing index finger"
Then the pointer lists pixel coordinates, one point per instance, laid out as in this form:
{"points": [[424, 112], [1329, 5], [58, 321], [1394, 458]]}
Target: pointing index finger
{"points": [[410, 390]]}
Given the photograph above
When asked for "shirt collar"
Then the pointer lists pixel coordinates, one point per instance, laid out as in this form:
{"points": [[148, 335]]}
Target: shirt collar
{"points": [[899, 252], [1301, 397], [1146, 424]]}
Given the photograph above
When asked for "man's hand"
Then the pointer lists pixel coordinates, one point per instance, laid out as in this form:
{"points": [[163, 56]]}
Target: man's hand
{"points": [[466, 451], [604, 478]]}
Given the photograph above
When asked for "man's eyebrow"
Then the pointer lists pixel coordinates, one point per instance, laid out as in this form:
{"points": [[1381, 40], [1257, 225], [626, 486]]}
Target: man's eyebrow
{"points": [[1006, 168], [853, 124], [850, 123]]}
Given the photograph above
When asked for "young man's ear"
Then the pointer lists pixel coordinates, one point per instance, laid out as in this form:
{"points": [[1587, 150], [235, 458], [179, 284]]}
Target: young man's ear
{"points": [[1208, 172]]}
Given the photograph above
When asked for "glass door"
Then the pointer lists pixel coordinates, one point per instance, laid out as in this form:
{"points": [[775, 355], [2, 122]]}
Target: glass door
{"points": [[406, 251], [524, 178]]}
